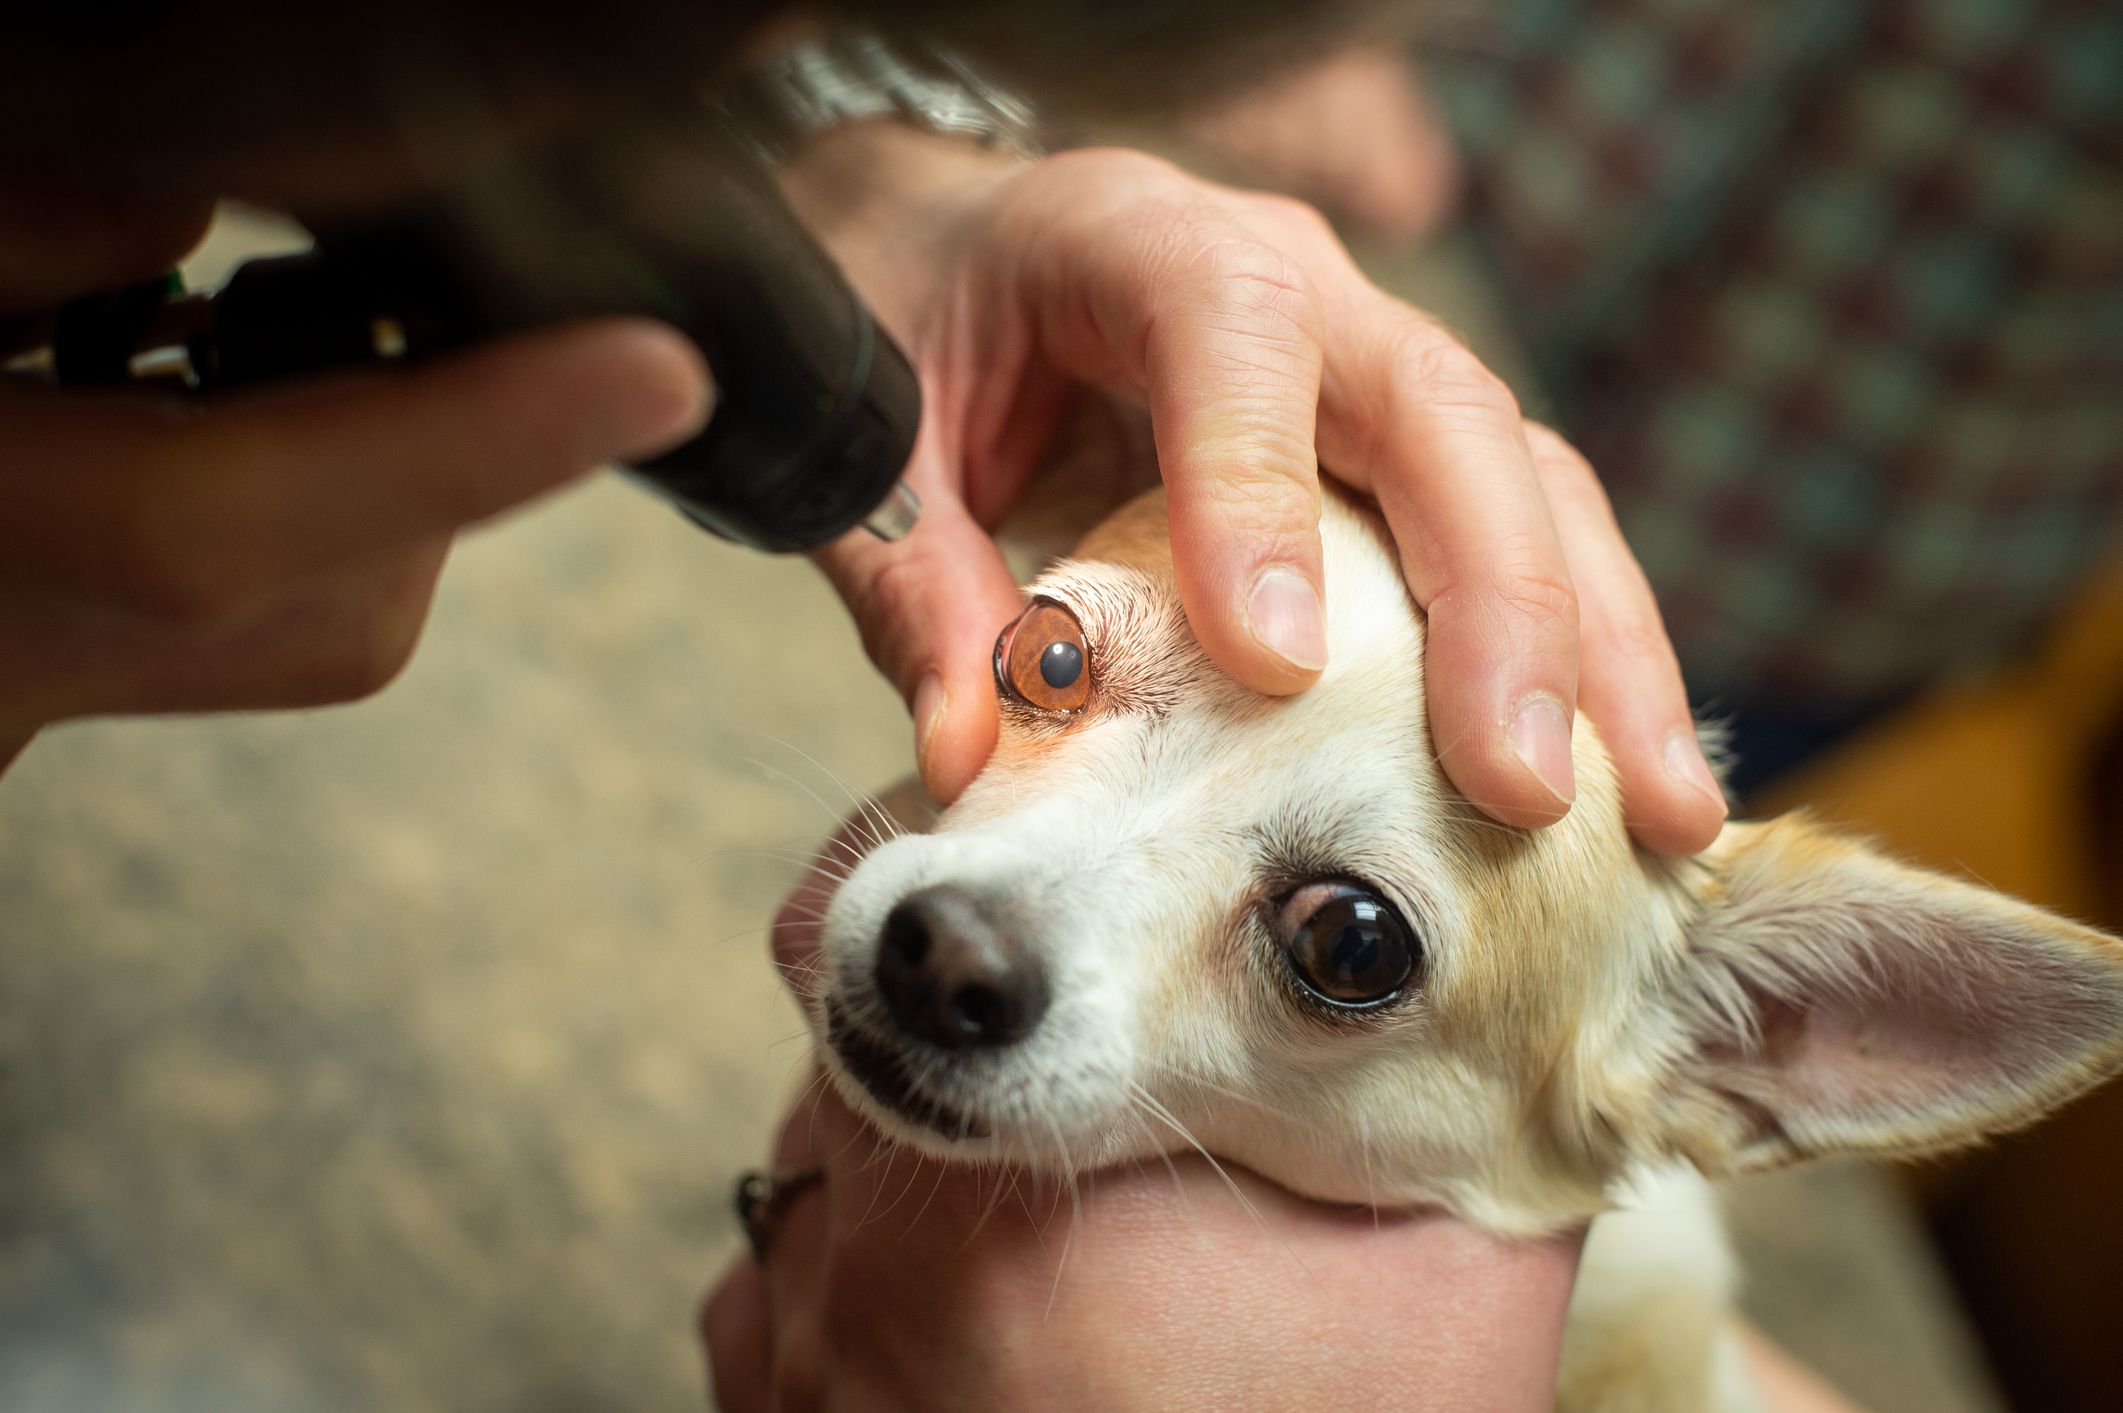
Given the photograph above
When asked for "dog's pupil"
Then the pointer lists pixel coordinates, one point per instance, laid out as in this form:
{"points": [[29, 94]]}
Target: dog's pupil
{"points": [[1355, 951], [1061, 664], [1346, 943]]}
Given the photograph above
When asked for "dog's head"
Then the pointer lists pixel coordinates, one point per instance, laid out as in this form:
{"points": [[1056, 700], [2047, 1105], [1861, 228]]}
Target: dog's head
{"points": [[1172, 911]]}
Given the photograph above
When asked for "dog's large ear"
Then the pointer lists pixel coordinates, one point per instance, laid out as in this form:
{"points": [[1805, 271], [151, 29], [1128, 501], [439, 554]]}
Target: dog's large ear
{"points": [[1833, 1001]]}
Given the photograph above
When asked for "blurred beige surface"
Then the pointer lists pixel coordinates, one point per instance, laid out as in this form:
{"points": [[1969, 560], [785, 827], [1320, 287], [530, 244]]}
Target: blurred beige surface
{"points": [[401, 1056]]}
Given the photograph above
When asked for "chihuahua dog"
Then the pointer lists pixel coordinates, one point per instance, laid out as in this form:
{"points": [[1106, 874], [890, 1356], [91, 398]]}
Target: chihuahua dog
{"points": [[1174, 912]]}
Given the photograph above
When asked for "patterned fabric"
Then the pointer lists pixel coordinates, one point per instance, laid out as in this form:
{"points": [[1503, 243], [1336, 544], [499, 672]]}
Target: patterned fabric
{"points": [[1831, 292]]}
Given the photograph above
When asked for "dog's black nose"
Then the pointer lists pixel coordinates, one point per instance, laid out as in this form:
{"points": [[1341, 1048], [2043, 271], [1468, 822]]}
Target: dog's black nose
{"points": [[951, 975]]}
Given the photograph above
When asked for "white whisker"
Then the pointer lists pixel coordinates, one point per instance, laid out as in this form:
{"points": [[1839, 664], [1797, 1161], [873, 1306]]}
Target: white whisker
{"points": [[1186, 1135], [1076, 1215], [934, 1188], [1192, 1077], [1135, 1112]]}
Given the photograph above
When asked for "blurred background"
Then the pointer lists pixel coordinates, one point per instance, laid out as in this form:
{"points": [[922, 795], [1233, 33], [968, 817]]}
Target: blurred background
{"points": [[401, 1056]]}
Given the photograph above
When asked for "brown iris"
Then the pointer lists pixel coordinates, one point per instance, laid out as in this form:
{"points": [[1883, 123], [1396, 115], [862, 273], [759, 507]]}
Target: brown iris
{"points": [[1042, 659]]}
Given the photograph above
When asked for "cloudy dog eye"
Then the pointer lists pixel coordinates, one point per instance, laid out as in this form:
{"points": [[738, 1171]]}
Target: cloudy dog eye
{"points": [[1042, 659], [1346, 943]]}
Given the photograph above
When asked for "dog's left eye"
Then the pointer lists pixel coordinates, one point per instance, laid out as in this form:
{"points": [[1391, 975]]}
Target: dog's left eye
{"points": [[1346, 943], [1042, 659]]}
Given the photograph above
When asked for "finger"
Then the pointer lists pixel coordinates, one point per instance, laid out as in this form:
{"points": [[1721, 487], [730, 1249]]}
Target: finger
{"points": [[736, 1331], [1232, 366], [1629, 682], [58, 240], [865, 1175], [794, 937], [194, 514], [338, 640], [928, 607], [820, 1135], [1409, 414], [333, 639], [823, 1133], [1785, 1383], [1351, 133], [1220, 332]]}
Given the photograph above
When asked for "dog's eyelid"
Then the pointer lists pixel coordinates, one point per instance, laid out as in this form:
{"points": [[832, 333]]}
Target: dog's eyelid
{"points": [[1288, 867]]}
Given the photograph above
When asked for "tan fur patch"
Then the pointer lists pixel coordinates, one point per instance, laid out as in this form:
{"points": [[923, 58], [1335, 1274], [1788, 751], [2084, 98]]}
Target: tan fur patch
{"points": [[1135, 536]]}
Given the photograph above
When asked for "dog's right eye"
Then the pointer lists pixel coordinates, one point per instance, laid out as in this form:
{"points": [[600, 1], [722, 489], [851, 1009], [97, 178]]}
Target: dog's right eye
{"points": [[1346, 944], [1042, 659]]}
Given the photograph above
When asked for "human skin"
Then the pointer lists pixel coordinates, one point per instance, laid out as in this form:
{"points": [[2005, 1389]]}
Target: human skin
{"points": [[902, 1283], [1351, 133], [280, 548]]}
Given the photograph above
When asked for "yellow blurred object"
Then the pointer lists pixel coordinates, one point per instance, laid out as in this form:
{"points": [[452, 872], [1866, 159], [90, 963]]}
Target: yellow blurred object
{"points": [[2018, 779], [1991, 777]]}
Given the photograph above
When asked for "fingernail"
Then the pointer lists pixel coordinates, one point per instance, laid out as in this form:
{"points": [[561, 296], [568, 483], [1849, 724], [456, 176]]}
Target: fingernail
{"points": [[1540, 734], [1285, 617], [666, 403], [1685, 763], [930, 707]]}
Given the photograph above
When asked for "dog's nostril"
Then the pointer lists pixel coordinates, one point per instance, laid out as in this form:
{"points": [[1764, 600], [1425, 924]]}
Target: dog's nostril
{"points": [[982, 1013], [949, 974], [907, 935]]}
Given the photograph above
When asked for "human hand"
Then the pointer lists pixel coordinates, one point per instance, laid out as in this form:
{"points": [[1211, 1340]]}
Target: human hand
{"points": [[1261, 352], [901, 1282], [277, 548]]}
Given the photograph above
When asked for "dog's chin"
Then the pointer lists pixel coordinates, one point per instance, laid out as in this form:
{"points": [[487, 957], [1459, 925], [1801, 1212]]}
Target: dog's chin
{"points": [[876, 1078]]}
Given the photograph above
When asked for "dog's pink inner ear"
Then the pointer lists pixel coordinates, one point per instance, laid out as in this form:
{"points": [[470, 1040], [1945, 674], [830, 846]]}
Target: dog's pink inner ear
{"points": [[1904, 1032], [1839, 1002]]}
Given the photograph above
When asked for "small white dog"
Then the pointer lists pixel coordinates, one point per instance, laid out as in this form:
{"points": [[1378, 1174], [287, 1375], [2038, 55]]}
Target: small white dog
{"points": [[1172, 911]]}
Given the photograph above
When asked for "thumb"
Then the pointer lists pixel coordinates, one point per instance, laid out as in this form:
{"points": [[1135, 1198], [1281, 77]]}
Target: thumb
{"points": [[59, 240], [198, 509], [737, 1329], [929, 607]]}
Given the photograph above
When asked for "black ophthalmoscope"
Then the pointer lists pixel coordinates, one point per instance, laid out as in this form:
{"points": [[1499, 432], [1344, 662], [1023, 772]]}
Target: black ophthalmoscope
{"points": [[816, 408]]}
